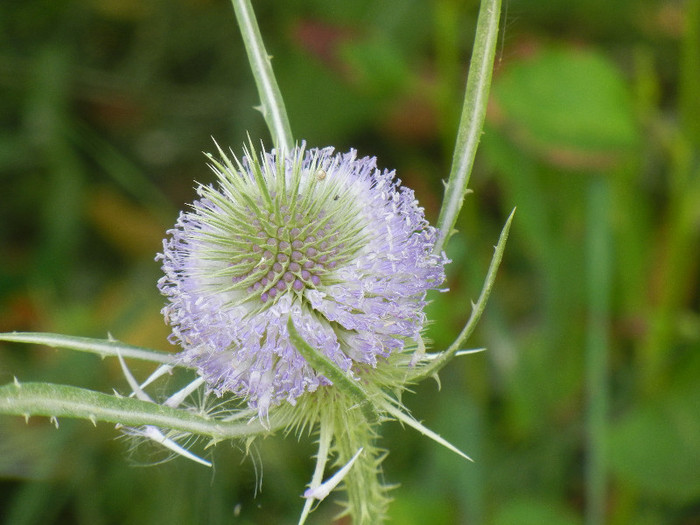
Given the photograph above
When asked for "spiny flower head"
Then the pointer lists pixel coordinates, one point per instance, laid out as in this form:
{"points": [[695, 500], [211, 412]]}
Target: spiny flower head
{"points": [[322, 237]]}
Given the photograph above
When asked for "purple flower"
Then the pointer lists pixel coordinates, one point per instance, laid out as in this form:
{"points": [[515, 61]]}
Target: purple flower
{"points": [[324, 237]]}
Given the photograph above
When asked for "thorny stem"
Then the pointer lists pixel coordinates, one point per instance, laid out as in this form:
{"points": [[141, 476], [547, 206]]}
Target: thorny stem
{"points": [[46, 399], [351, 425], [477, 309], [104, 347], [368, 500], [325, 438], [472, 119], [272, 105]]}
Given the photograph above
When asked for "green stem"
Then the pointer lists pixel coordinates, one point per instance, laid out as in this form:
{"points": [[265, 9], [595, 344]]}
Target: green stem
{"points": [[103, 347], [445, 357], [272, 105], [325, 438], [367, 497], [598, 257], [46, 399], [472, 119]]}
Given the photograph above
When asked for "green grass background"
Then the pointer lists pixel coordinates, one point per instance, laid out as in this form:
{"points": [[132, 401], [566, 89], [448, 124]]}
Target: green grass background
{"points": [[586, 407]]}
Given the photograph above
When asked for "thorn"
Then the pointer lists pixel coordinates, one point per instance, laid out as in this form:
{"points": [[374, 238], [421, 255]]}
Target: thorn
{"points": [[93, 419], [419, 353], [212, 442], [54, 420], [160, 371], [140, 394], [470, 351], [409, 420], [321, 492], [16, 381], [26, 418], [178, 397], [156, 435]]}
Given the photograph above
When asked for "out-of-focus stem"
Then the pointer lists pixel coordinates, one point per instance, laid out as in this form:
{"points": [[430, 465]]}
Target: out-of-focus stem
{"points": [[598, 284]]}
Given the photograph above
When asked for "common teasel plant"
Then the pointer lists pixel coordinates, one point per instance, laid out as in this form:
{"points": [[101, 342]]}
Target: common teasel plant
{"points": [[295, 290]]}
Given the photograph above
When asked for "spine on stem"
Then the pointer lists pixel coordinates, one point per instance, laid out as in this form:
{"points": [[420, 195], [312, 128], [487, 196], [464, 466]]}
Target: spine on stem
{"points": [[367, 496]]}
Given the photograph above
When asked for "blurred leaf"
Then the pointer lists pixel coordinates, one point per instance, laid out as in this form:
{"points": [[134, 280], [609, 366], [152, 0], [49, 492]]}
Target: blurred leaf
{"points": [[323, 106], [133, 231], [655, 446], [23, 450], [548, 232], [534, 512], [689, 101], [125, 173], [131, 310], [62, 190], [376, 66], [123, 9], [571, 107], [419, 509]]}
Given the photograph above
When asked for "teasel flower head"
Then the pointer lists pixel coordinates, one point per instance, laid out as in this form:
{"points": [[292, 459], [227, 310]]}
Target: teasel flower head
{"points": [[325, 239]]}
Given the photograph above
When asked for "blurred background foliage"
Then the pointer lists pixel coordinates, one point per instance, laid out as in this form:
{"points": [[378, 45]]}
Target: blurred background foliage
{"points": [[589, 390]]}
